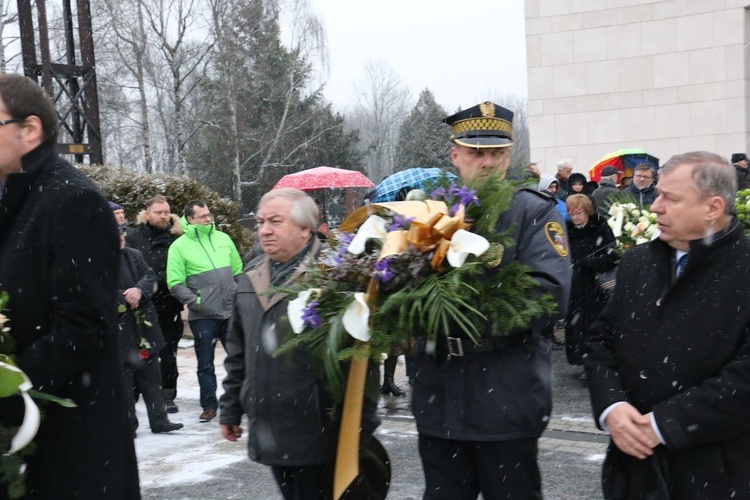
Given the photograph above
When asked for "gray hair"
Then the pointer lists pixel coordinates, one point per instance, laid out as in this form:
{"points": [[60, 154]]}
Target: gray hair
{"points": [[713, 175], [304, 209], [564, 163]]}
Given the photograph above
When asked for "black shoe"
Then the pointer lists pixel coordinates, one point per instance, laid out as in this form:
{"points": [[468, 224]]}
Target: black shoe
{"points": [[392, 389], [166, 427], [557, 346], [170, 407]]}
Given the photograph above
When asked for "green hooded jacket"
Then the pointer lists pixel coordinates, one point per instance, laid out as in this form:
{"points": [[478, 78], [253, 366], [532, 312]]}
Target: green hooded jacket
{"points": [[201, 269]]}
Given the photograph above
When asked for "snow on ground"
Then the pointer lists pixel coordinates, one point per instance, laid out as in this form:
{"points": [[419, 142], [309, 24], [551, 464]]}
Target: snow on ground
{"points": [[190, 454]]}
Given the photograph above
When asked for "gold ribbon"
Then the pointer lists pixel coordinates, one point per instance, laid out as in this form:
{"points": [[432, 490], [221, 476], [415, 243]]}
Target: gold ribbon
{"points": [[431, 229], [347, 450]]}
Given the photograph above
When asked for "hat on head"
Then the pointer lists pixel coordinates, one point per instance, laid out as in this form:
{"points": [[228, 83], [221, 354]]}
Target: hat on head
{"points": [[114, 206], [609, 170], [577, 178], [486, 125], [738, 157]]}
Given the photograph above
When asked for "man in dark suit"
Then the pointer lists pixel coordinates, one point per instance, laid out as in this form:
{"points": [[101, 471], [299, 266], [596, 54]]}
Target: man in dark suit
{"points": [[669, 357], [59, 265]]}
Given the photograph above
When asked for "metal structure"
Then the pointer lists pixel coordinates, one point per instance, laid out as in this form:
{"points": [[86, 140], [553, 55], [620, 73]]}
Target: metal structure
{"points": [[71, 84]]}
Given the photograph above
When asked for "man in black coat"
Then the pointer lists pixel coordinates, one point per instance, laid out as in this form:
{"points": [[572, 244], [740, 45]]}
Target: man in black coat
{"points": [[141, 339], [59, 264], [669, 358], [157, 230], [480, 409]]}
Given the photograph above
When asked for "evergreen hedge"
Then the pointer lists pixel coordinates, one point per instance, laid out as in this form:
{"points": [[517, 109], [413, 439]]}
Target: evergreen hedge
{"points": [[133, 189]]}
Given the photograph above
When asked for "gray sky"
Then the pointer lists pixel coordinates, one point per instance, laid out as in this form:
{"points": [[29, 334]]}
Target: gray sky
{"points": [[463, 51]]}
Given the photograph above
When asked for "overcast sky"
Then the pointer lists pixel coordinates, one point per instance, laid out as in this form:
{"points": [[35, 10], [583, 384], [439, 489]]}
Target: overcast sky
{"points": [[463, 51]]}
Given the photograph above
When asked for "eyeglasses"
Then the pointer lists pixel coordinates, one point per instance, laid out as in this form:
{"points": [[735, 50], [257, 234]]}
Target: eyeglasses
{"points": [[576, 214], [639, 176], [12, 120]]}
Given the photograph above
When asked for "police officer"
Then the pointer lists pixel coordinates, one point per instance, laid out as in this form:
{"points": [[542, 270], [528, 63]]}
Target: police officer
{"points": [[481, 408]]}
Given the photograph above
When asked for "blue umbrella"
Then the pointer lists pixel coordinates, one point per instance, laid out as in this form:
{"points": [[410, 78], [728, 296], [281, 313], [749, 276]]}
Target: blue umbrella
{"points": [[411, 178]]}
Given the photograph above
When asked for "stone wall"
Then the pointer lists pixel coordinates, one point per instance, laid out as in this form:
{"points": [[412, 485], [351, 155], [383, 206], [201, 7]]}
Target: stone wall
{"points": [[665, 76]]}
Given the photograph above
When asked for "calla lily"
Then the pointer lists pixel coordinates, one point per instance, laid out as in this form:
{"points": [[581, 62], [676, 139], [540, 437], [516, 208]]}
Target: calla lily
{"points": [[464, 243], [374, 227], [356, 318], [295, 309], [30, 424]]}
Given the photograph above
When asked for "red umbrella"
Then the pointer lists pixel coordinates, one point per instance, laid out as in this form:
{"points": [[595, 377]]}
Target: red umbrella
{"points": [[324, 177]]}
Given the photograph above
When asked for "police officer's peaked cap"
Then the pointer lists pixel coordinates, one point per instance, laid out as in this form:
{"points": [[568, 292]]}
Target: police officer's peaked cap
{"points": [[486, 125]]}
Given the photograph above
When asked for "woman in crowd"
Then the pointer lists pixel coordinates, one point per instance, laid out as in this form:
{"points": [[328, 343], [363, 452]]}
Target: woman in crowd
{"points": [[592, 251]]}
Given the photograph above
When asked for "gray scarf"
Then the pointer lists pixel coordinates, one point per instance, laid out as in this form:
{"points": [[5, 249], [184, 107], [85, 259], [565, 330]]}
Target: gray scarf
{"points": [[280, 271]]}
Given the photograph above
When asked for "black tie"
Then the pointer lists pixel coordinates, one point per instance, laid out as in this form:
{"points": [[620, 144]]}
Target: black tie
{"points": [[681, 263]]}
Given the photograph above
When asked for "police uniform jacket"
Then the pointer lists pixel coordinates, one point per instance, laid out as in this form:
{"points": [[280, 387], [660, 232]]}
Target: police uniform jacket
{"points": [[502, 394], [680, 348], [292, 419]]}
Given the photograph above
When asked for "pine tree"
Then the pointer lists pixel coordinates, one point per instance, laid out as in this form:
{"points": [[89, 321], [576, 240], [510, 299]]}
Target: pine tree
{"points": [[423, 138]]}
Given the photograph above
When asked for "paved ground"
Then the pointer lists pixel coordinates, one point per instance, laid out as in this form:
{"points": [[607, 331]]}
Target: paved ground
{"points": [[196, 463]]}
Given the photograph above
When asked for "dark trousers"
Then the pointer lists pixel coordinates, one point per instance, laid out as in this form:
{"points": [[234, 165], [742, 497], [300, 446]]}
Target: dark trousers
{"points": [[172, 328], [299, 483], [458, 470], [206, 332], [143, 375]]}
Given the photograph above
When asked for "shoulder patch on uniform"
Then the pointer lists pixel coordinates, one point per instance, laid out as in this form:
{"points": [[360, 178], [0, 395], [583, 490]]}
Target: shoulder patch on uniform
{"points": [[557, 238]]}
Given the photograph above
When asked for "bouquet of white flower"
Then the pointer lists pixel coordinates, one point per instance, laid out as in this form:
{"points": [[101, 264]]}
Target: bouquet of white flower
{"points": [[631, 225]]}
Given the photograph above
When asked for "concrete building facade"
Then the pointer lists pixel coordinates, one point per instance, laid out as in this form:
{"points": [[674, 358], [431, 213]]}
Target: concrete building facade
{"points": [[666, 76]]}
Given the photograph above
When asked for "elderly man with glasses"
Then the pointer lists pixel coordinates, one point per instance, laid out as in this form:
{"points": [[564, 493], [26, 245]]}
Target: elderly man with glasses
{"points": [[201, 268]]}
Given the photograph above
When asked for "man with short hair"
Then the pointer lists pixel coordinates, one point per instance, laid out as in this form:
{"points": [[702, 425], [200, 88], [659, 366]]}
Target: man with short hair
{"points": [[669, 373], [607, 188], [157, 230], [293, 419], [201, 269], [475, 433], [643, 188], [59, 262], [564, 169], [739, 160]]}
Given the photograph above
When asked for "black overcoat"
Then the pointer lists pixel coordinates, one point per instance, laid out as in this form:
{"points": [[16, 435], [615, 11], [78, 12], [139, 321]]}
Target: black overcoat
{"points": [[59, 262], [680, 349], [592, 251], [136, 273]]}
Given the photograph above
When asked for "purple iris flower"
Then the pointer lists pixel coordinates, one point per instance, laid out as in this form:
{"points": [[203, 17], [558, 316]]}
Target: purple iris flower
{"points": [[439, 193], [400, 222], [467, 196], [382, 272], [311, 315], [344, 240]]}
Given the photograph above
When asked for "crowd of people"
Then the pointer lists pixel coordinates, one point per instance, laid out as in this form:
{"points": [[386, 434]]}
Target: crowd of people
{"points": [[98, 320]]}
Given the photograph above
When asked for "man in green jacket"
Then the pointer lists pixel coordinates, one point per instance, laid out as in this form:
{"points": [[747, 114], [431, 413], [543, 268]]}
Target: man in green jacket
{"points": [[201, 269]]}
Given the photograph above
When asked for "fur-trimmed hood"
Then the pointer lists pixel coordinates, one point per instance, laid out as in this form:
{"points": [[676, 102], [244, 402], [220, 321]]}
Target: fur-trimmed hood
{"points": [[174, 219]]}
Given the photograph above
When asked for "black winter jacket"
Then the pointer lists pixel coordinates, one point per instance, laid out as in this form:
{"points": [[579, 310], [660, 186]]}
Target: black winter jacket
{"points": [[681, 349], [592, 252], [154, 245], [135, 273], [59, 263]]}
